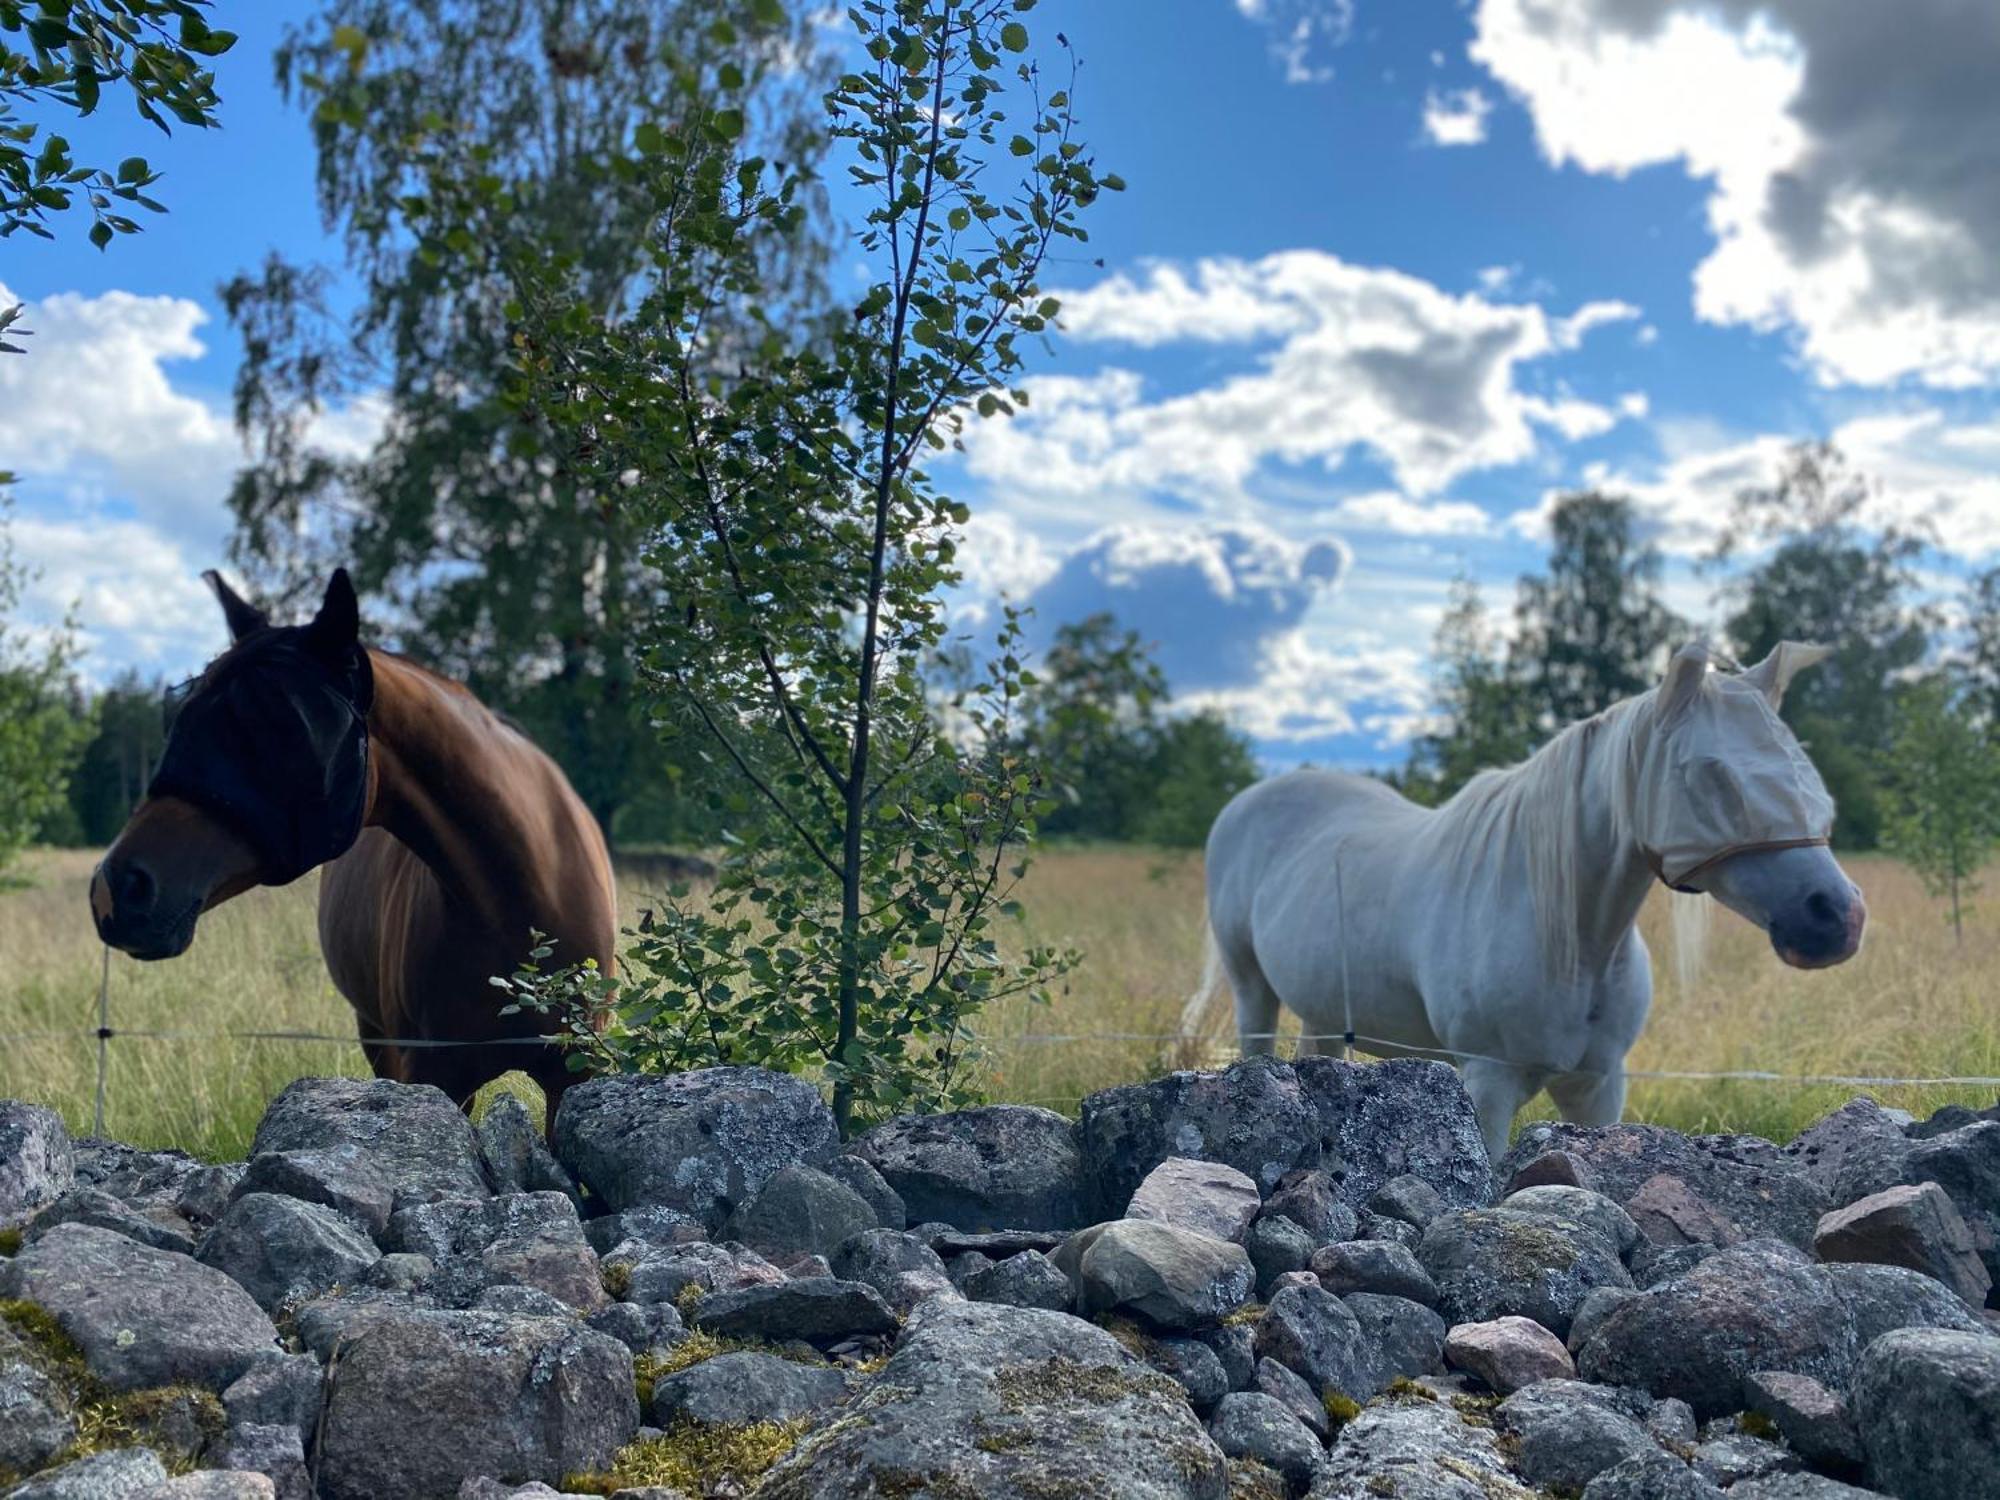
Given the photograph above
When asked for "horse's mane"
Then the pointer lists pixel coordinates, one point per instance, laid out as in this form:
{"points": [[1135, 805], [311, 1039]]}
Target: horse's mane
{"points": [[1536, 805]]}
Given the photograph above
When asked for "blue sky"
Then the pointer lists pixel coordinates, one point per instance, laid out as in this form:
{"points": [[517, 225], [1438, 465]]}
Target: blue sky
{"points": [[1387, 276]]}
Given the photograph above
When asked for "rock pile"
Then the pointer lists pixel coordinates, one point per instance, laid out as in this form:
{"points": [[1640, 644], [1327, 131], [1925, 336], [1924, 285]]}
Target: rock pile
{"points": [[1279, 1280]]}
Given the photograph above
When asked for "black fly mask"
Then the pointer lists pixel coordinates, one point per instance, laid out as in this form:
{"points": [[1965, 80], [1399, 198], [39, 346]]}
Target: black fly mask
{"points": [[274, 742]]}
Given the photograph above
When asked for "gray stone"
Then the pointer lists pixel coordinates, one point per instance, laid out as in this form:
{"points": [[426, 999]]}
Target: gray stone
{"points": [[327, 1324], [1192, 1365], [282, 1391], [1207, 1197], [1927, 1403], [820, 1312], [1284, 1384], [1029, 1279], [1174, 1278], [650, 1224], [1252, 1425], [1748, 1181], [142, 1317], [1311, 1199], [1727, 1458], [800, 1211], [1798, 1485], [1559, 1168], [1253, 1116], [661, 1275], [1852, 1153], [642, 1329], [736, 1390], [1597, 1302], [401, 1272], [1569, 1432], [1653, 1264], [203, 1197], [1405, 1338], [117, 1474], [1918, 1227], [1668, 1213], [281, 1250], [1672, 1422], [1811, 1418], [35, 1424], [1415, 1450], [890, 1210], [898, 1265], [345, 1178], [150, 1224], [995, 1244], [1498, 1262], [412, 1133], [1318, 1337], [1394, 1119], [274, 1450], [1582, 1208], [37, 1165], [1011, 1403], [700, 1143], [422, 1400], [1003, 1166], [523, 1240], [517, 1160], [1373, 1226], [1698, 1336], [1508, 1353], [1947, 1118], [1373, 1266], [1650, 1476], [1409, 1199], [1235, 1344], [1277, 1246], [521, 1301], [215, 1484], [1881, 1298]]}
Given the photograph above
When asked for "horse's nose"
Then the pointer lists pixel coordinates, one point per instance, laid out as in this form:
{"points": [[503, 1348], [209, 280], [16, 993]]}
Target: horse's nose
{"points": [[1824, 928], [123, 891]]}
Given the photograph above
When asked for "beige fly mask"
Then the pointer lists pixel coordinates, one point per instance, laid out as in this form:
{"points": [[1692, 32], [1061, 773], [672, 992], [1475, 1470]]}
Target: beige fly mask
{"points": [[1719, 773]]}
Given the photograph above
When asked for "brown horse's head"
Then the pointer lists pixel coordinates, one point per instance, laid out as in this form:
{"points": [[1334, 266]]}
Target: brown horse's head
{"points": [[264, 775]]}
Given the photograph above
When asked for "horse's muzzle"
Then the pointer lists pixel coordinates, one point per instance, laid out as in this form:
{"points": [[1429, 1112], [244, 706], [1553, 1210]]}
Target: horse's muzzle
{"points": [[126, 905], [1822, 930]]}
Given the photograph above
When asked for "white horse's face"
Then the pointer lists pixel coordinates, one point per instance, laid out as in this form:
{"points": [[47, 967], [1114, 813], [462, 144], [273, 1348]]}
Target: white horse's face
{"points": [[1730, 805]]}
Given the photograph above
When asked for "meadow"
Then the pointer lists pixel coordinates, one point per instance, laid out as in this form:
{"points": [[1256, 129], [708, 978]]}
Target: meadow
{"points": [[1913, 1004]]}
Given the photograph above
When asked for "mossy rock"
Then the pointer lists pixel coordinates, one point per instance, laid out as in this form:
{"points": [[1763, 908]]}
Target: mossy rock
{"points": [[694, 1457]]}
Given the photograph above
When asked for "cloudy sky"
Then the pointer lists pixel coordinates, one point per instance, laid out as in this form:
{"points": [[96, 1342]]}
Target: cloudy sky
{"points": [[1389, 274]]}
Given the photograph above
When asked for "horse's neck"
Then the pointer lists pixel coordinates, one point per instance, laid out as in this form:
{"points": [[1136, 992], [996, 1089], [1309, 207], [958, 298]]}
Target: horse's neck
{"points": [[449, 791], [1613, 877]]}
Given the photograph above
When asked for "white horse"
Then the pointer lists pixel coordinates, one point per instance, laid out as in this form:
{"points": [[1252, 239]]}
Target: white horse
{"points": [[1498, 930]]}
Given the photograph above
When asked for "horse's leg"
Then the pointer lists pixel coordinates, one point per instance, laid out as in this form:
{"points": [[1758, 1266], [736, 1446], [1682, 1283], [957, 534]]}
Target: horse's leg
{"points": [[1590, 1098], [1256, 1004], [388, 1062], [1498, 1089]]}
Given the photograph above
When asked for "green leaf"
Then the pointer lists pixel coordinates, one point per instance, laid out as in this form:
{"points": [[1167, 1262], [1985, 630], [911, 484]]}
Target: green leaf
{"points": [[1014, 37], [100, 234], [132, 169]]}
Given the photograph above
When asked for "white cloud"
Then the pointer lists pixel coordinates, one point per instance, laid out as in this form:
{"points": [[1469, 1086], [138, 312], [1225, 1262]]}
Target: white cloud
{"points": [[1854, 184], [1346, 358], [1928, 471], [1385, 510], [1571, 331], [1456, 117], [1303, 33]]}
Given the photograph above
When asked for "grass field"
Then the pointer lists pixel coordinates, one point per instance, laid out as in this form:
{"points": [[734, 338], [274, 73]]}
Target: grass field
{"points": [[1913, 1004]]}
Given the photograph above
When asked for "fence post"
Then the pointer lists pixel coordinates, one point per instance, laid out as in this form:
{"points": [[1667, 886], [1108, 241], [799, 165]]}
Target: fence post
{"points": [[103, 1036]]}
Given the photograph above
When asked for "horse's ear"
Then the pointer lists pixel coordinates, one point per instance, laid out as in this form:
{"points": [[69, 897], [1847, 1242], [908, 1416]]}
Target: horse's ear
{"points": [[336, 630], [1774, 673], [1684, 678], [243, 617]]}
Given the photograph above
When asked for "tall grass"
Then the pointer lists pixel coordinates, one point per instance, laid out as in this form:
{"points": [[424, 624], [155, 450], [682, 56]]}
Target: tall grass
{"points": [[1913, 1004]]}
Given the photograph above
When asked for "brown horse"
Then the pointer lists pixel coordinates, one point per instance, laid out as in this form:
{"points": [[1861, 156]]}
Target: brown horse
{"points": [[445, 834]]}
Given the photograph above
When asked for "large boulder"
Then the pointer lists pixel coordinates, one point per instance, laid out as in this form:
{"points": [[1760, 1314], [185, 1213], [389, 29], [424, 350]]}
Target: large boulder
{"points": [[1416, 1450], [1568, 1432], [1918, 1227], [1966, 1163], [523, 1239], [1499, 1262], [1749, 1182], [346, 1178], [1508, 1353], [1882, 1298], [1857, 1150], [35, 1424], [1401, 1118], [1317, 1337], [1172, 1277], [1253, 1116], [801, 1211], [739, 1389], [115, 1474], [412, 1133], [1009, 1404], [1261, 1428], [422, 1399], [283, 1249], [821, 1310], [1209, 1197], [36, 1165], [517, 1160], [1373, 1266], [1406, 1339], [1004, 1166], [156, 1224], [1927, 1402], [700, 1142], [1029, 1279], [142, 1317]]}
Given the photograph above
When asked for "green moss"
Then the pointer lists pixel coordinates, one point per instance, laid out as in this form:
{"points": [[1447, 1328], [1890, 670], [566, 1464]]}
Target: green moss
{"points": [[689, 1300], [1340, 1410], [617, 1279], [695, 1457], [1758, 1426], [1249, 1312], [1065, 1382], [1405, 1389], [1250, 1480], [54, 1352], [10, 1242]]}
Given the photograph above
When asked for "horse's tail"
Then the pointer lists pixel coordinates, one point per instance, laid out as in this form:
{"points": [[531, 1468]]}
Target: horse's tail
{"points": [[1205, 1015]]}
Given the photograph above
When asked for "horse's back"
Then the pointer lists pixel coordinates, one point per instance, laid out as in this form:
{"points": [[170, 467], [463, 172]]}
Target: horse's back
{"points": [[1298, 818]]}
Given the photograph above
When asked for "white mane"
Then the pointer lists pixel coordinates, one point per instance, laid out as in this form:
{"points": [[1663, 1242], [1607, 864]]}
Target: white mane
{"points": [[1536, 805]]}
